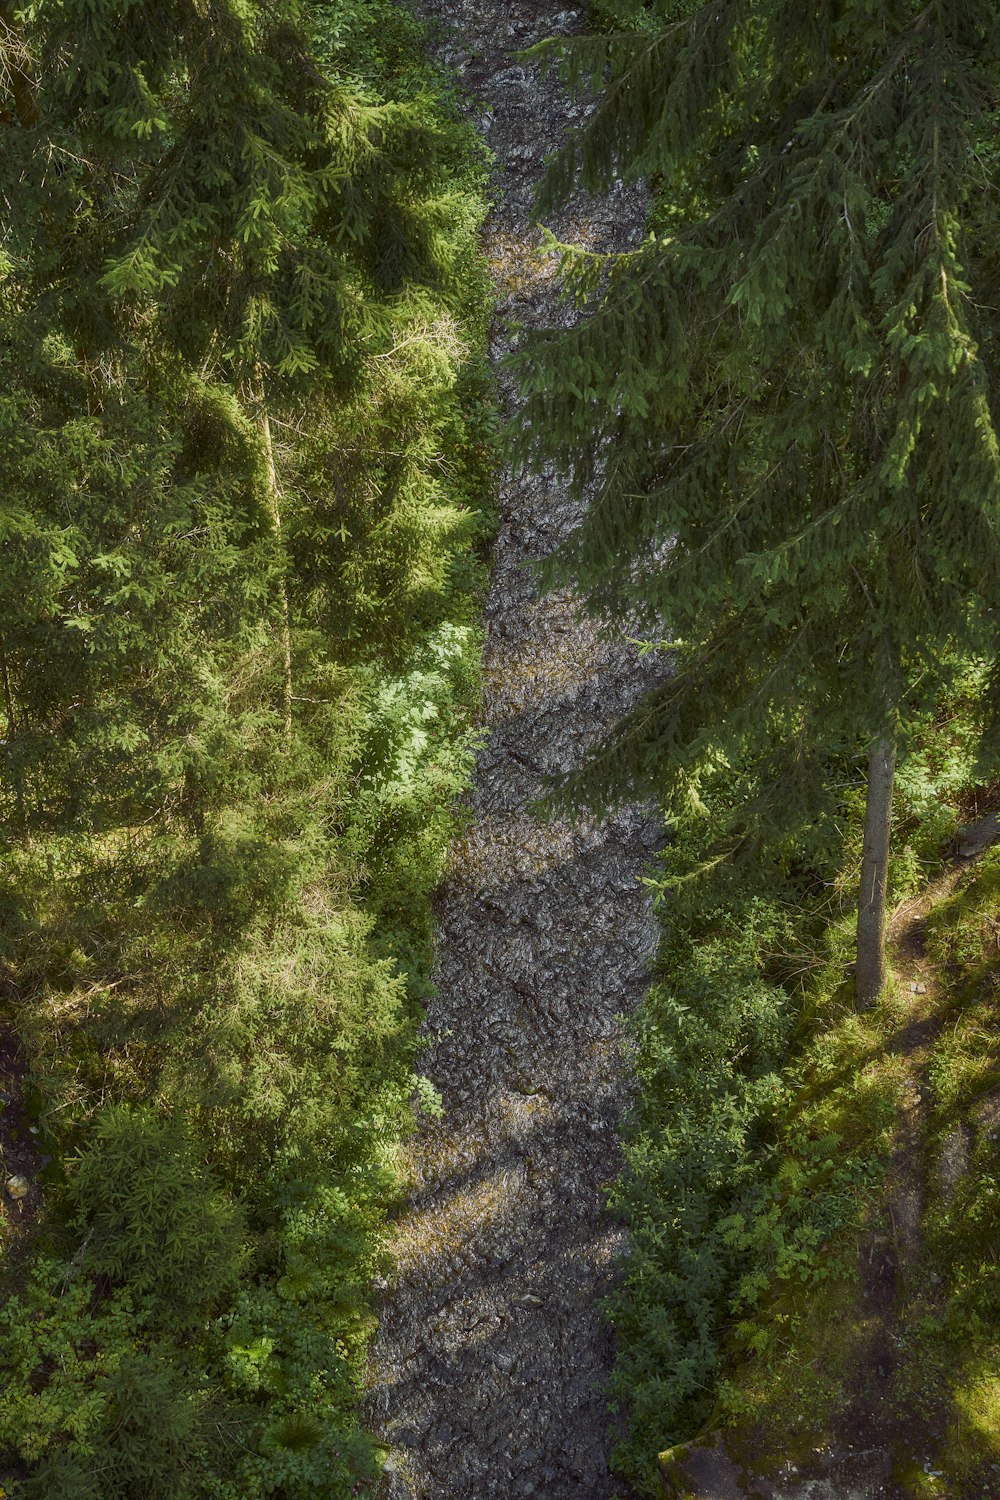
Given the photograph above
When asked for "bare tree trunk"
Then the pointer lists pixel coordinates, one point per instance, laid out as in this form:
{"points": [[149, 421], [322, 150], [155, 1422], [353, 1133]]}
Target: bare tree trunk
{"points": [[870, 970], [275, 507]]}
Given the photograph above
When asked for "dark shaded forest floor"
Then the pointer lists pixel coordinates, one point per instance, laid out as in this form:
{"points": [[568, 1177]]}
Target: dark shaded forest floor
{"points": [[20, 1163]]}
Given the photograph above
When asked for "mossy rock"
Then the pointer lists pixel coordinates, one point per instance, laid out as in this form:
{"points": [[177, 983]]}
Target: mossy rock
{"points": [[692, 1470], [676, 1483]]}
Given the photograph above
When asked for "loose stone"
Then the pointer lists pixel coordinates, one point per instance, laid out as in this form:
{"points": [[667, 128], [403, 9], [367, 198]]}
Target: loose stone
{"points": [[490, 1366]]}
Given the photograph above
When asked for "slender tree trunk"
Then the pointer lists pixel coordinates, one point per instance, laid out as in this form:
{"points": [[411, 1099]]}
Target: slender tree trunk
{"points": [[275, 506], [870, 970]]}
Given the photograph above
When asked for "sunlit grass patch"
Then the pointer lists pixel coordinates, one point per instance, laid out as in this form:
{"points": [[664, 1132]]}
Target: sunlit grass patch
{"points": [[947, 1377], [974, 1435]]}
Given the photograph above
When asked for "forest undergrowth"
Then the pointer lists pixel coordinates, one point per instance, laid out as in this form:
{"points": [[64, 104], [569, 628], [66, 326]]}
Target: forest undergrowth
{"points": [[763, 1164], [247, 434], [248, 458], [763, 398]]}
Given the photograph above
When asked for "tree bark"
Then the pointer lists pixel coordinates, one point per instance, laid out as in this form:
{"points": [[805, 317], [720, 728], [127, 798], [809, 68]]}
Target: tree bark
{"points": [[870, 969]]}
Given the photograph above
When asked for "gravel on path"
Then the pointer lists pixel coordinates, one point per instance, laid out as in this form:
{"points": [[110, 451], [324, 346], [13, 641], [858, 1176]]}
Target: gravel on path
{"points": [[490, 1366]]}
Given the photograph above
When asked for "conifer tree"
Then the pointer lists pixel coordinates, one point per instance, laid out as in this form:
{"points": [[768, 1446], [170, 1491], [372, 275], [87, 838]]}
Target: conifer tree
{"points": [[235, 587], [206, 229], [784, 400]]}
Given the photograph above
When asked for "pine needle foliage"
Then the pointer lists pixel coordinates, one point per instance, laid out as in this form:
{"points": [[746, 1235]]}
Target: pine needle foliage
{"points": [[783, 402], [780, 411], [245, 439]]}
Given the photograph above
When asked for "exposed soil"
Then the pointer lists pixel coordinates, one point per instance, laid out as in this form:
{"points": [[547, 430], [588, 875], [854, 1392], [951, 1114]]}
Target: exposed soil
{"points": [[490, 1366]]}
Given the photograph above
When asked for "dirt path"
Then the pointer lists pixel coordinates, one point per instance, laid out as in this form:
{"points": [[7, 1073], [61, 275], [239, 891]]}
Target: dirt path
{"points": [[492, 1353]]}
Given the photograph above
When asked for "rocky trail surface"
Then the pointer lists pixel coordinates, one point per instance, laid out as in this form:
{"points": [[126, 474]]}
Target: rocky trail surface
{"points": [[490, 1367]]}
